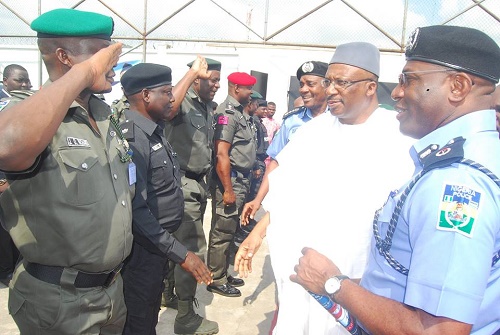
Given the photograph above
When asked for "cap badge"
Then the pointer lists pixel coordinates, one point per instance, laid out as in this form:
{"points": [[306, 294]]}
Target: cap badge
{"points": [[307, 67], [412, 41]]}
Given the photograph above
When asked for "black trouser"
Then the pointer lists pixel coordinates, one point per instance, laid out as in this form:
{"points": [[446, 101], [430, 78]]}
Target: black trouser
{"points": [[143, 275]]}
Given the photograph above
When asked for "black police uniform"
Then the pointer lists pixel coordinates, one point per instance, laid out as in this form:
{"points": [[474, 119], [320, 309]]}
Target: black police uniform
{"points": [[157, 212]]}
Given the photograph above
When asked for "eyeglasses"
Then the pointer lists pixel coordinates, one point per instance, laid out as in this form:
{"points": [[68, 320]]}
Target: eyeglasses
{"points": [[403, 79], [341, 84]]}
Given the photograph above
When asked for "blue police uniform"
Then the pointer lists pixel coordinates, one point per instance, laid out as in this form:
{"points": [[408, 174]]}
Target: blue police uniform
{"points": [[291, 122], [447, 232]]}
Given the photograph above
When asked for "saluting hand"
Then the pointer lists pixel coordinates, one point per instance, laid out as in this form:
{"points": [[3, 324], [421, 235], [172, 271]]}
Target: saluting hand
{"points": [[101, 67], [197, 268], [201, 67]]}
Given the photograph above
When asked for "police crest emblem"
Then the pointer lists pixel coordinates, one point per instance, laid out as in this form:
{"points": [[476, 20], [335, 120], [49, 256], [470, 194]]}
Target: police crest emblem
{"points": [[412, 41], [307, 67], [458, 210]]}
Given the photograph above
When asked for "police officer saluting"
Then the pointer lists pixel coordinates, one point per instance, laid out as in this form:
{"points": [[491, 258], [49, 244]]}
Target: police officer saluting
{"points": [[190, 132], [68, 207], [235, 152], [158, 202]]}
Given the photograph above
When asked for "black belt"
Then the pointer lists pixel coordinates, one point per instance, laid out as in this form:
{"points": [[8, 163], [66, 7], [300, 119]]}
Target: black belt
{"points": [[195, 176], [52, 275]]}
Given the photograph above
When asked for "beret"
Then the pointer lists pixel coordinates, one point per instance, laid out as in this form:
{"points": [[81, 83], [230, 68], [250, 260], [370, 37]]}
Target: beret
{"points": [[65, 22], [213, 65], [145, 75], [364, 55], [262, 103], [459, 48], [312, 68], [242, 78], [256, 95]]}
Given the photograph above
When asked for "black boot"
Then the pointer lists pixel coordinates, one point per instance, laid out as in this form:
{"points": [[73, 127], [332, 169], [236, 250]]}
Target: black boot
{"points": [[168, 298], [187, 322]]}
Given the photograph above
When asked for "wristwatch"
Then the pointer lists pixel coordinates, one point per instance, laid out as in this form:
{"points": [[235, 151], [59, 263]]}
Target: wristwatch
{"points": [[3, 182], [333, 285]]}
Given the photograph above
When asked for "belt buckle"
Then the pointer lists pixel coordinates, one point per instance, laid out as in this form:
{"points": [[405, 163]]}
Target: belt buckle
{"points": [[112, 276]]}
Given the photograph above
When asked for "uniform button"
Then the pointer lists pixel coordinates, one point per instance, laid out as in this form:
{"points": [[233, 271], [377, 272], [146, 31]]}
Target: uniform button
{"points": [[165, 162], [85, 166], [124, 203], [115, 176], [112, 133]]}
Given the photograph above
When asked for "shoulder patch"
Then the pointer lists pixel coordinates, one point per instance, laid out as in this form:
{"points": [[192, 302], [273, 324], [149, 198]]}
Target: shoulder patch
{"points": [[294, 111], [223, 119], [3, 104], [458, 209]]}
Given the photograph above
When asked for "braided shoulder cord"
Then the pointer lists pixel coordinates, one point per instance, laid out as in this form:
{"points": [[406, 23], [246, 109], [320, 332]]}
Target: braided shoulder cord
{"points": [[384, 245]]}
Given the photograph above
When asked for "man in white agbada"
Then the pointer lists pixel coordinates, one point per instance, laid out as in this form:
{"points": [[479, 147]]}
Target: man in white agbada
{"points": [[332, 176]]}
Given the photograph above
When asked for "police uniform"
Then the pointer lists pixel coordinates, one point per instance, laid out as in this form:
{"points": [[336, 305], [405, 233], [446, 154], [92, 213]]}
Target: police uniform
{"points": [[70, 213], [119, 106], [261, 155], [157, 205], [464, 238], [237, 128], [441, 258], [70, 217], [157, 213], [190, 133], [295, 118]]}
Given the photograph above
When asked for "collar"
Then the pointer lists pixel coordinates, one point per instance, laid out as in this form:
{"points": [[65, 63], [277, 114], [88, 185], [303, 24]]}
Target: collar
{"points": [[4, 91], [465, 126], [146, 125]]}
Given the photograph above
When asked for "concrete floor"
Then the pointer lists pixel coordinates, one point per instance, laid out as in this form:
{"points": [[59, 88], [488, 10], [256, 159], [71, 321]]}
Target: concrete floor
{"points": [[250, 314]]}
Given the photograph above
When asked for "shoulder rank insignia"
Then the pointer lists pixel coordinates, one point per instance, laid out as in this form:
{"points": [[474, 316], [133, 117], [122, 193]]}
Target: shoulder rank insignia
{"points": [[451, 153], [127, 128], [294, 111]]}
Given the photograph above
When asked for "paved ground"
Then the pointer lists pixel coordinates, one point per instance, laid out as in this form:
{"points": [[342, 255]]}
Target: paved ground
{"points": [[250, 314]]}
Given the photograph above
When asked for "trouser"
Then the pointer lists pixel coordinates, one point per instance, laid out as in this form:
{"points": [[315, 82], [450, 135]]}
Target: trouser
{"points": [[190, 233], [225, 220], [8, 254], [143, 275], [40, 308], [256, 181]]}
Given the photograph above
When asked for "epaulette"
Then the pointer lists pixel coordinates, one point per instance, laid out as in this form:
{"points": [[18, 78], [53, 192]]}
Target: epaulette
{"points": [[229, 108], [294, 111], [127, 128], [22, 94], [434, 157], [15, 96]]}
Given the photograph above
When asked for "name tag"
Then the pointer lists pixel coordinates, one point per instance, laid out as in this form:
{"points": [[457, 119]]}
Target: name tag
{"points": [[77, 142], [156, 146]]}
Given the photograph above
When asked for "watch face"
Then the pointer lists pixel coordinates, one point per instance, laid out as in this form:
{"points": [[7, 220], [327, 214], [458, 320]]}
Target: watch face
{"points": [[332, 285]]}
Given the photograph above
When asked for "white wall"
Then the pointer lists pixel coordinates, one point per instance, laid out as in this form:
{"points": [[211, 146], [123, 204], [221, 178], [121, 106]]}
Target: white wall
{"points": [[278, 63]]}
